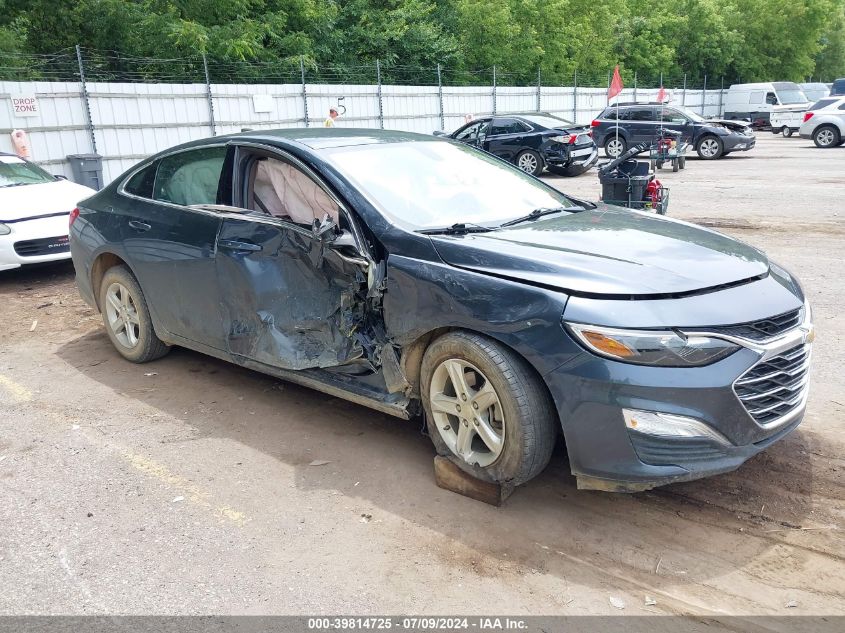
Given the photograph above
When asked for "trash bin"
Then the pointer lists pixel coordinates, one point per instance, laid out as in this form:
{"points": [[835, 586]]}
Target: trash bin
{"points": [[626, 184], [87, 169]]}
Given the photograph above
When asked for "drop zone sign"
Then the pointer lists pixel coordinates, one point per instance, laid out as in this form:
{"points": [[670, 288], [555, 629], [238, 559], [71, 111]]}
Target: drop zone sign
{"points": [[25, 105]]}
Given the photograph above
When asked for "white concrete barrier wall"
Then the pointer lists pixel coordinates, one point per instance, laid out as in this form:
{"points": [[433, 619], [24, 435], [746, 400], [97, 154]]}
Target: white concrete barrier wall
{"points": [[133, 120]]}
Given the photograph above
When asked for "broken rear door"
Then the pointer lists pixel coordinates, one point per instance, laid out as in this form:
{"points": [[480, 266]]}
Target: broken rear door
{"points": [[289, 299]]}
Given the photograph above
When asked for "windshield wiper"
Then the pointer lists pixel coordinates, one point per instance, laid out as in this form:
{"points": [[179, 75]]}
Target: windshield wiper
{"points": [[15, 184], [539, 213], [458, 228]]}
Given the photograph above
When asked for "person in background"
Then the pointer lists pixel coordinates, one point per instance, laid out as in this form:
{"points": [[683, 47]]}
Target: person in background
{"points": [[332, 116]]}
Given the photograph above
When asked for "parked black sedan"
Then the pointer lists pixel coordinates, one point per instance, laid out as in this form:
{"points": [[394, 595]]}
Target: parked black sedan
{"points": [[533, 142], [639, 122], [409, 273]]}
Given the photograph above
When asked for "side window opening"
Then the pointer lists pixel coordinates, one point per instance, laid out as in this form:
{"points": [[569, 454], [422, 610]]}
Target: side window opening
{"points": [[191, 177], [280, 189], [473, 131], [771, 98], [756, 96], [141, 184]]}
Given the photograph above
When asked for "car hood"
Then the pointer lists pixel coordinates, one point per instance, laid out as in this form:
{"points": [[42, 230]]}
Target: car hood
{"points": [[792, 107], [608, 251], [26, 201], [736, 126]]}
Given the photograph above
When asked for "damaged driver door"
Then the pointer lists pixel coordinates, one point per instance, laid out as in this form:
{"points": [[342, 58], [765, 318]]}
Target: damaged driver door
{"points": [[292, 278]]}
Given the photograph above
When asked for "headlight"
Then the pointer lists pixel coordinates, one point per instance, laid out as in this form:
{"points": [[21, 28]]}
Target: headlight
{"points": [[4, 229], [666, 348]]}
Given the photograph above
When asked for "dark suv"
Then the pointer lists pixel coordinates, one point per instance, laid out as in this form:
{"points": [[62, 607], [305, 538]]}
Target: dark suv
{"points": [[638, 122]]}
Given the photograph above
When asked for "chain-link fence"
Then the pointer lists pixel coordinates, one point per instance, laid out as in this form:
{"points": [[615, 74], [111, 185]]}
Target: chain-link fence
{"points": [[126, 108]]}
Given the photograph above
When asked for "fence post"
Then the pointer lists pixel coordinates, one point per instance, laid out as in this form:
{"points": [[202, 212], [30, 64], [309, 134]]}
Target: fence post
{"points": [[575, 97], [635, 86], [608, 88], [539, 85], [85, 100], [304, 94], [721, 97], [380, 104], [704, 95], [494, 90], [684, 93], [440, 98], [208, 96]]}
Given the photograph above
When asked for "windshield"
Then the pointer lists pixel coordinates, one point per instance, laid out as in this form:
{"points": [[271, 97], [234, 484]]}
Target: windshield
{"points": [[690, 114], [790, 96], [433, 184], [15, 171], [546, 120]]}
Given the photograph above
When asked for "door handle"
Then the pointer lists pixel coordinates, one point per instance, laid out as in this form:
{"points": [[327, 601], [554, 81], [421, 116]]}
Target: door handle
{"points": [[233, 245], [139, 226]]}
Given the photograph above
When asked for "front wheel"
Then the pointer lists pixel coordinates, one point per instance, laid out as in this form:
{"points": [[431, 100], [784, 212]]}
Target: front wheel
{"points": [[710, 148], [826, 136], [127, 317], [530, 162], [486, 408]]}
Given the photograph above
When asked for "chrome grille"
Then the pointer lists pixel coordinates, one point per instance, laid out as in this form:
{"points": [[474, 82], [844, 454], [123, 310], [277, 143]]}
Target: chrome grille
{"points": [[775, 387], [766, 328]]}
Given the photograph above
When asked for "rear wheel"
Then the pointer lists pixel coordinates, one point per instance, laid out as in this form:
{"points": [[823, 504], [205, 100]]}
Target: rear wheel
{"points": [[614, 147], [826, 136], [127, 318], [786, 131], [709, 147], [530, 162], [486, 409]]}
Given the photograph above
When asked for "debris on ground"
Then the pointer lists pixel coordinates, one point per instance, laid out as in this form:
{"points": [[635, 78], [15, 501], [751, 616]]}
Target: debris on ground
{"points": [[649, 601], [616, 603], [319, 462]]}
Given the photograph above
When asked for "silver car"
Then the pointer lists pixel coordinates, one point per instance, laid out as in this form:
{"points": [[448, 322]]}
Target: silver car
{"points": [[824, 122]]}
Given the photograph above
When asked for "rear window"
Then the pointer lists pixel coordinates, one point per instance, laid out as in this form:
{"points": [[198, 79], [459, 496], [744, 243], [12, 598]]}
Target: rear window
{"points": [[822, 103]]}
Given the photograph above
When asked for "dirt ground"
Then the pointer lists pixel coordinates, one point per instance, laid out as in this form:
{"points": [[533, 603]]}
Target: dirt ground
{"points": [[185, 486]]}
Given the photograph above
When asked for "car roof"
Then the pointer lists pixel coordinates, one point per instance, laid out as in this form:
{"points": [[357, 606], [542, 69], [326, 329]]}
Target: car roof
{"points": [[322, 138]]}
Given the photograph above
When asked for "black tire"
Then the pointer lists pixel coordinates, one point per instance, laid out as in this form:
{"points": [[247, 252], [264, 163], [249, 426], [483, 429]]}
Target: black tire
{"points": [[675, 166], [786, 131], [826, 136], [610, 140], [658, 164], [682, 162], [529, 418], [704, 145], [530, 162], [148, 346]]}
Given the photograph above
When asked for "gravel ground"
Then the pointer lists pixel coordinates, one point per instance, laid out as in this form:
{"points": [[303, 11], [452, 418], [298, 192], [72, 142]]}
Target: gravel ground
{"points": [[185, 487]]}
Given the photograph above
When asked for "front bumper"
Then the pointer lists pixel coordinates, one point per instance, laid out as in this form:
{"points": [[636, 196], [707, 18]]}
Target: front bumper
{"points": [[738, 143], [34, 242], [605, 454]]}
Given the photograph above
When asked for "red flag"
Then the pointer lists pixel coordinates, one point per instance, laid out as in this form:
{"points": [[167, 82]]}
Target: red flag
{"points": [[661, 96], [616, 84]]}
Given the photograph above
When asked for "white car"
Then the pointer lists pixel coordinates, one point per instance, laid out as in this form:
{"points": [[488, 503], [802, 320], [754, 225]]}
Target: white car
{"points": [[825, 122], [34, 210]]}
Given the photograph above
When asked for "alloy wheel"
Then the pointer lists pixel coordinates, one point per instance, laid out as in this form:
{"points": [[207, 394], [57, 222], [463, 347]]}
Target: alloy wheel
{"points": [[614, 148], [122, 315], [527, 163], [709, 147], [467, 412], [825, 137]]}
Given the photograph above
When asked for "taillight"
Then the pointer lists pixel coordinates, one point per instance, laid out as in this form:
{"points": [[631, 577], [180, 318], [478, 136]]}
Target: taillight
{"points": [[595, 123], [572, 139], [808, 116], [72, 217]]}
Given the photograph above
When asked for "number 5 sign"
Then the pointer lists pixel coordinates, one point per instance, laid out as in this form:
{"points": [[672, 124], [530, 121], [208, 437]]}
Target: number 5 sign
{"points": [[25, 105]]}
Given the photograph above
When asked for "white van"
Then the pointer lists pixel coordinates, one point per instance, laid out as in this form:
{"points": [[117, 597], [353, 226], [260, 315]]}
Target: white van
{"points": [[756, 102], [815, 91]]}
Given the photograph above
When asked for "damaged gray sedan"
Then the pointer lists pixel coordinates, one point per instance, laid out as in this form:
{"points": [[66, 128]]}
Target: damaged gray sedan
{"points": [[419, 276]]}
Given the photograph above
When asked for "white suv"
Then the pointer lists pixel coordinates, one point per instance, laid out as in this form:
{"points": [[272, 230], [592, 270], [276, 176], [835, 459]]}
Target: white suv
{"points": [[824, 122]]}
